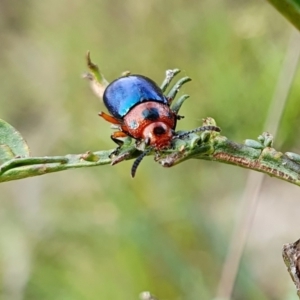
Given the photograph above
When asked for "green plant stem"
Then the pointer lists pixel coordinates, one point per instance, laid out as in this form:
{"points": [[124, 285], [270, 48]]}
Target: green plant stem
{"points": [[267, 160], [20, 168], [217, 148]]}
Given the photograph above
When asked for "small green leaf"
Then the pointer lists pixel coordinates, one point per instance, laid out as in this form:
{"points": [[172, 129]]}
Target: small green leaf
{"points": [[253, 144], [12, 143]]}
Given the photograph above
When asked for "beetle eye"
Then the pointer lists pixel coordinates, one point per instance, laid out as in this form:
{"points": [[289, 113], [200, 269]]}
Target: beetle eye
{"points": [[159, 130]]}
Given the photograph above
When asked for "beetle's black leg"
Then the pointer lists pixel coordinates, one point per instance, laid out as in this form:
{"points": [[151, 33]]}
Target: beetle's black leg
{"points": [[115, 152], [116, 138], [117, 141]]}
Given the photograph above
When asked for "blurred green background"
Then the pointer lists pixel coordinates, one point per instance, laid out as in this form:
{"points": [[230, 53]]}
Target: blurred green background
{"points": [[98, 234]]}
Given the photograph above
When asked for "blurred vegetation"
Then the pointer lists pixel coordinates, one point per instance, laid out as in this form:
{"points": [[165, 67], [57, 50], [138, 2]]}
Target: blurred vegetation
{"points": [[290, 9], [98, 234]]}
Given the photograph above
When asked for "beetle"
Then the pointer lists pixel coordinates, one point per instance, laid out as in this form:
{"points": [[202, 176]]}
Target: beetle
{"points": [[139, 109]]}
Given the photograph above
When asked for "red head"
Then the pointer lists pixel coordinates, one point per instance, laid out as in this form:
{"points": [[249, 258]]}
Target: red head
{"points": [[152, 122], [158, 135]]}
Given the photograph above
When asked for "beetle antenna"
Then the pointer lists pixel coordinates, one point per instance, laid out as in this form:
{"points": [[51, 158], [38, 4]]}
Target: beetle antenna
{"points": [[138, 161], [202, 128]]}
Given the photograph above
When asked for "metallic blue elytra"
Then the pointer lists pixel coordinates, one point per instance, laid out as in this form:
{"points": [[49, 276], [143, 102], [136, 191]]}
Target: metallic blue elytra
{"points": [[126, 92]]}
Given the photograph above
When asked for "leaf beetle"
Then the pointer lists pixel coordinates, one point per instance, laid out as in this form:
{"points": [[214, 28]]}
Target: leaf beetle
{"points": [[139, 109]]}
